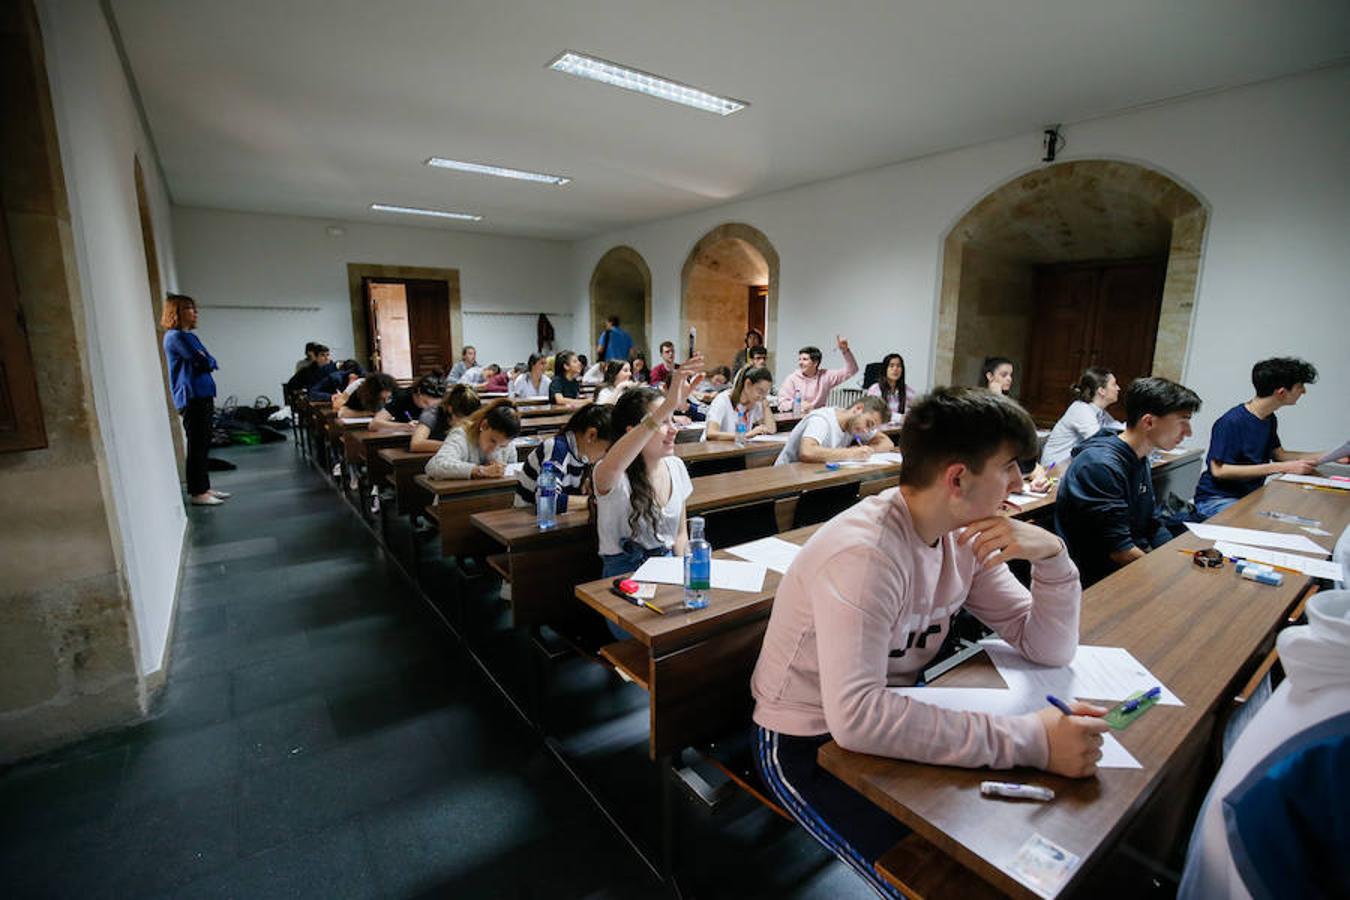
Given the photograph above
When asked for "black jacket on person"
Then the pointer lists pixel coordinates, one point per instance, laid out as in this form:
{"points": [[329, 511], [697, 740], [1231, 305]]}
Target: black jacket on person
{"points": [[1105, 504], [309, 377]]}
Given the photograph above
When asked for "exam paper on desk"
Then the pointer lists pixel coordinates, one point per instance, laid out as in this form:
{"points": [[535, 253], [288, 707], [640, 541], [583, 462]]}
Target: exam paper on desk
{"points": [[727, 574], [1256, 538], [1096, 673], [1316, 481], [1317, 568], [1009, 702], [770, 552]]}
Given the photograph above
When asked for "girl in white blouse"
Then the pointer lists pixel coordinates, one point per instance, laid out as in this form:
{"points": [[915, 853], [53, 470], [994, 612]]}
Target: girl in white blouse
{"points": [[618, 378], [748, 397], [640, 485], [479, 447]]}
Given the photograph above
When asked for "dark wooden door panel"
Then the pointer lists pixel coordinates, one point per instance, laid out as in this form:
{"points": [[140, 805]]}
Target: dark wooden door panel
{"points": [[21, 422], [1130, 298], [429, 324], [1061, 342]]}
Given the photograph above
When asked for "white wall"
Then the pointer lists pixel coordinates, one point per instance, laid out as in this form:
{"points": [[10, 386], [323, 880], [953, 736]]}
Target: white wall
{"points": [[100, 137], [252, 259], [862, 254]]}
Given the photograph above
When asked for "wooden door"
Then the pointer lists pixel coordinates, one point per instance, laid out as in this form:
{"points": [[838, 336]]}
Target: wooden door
{"points": [[429, 325], [1090, 314], [755, 314]]}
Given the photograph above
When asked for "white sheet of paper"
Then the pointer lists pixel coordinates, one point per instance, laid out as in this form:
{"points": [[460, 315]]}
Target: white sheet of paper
{"points": [[694, 426], [1009, 702], [1255, 538], [889, 456], [1342, 450], [360, 420], [861, 463], [1317, 568], [770, 552], [1314, 480], [726, 574], [1024, 499], [780, 438], [1096, 673]]}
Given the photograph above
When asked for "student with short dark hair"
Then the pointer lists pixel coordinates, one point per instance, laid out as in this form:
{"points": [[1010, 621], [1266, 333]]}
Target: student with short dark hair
{"points": [[337, 382], [460, 402], [1086, 415], [829, 434], [867, 603], [996, 374], [758, 358], [369, 398], [565, 388], [1106, 510], [309, 355], [480, 446], [405, 408], [742, 359], [314, 372], [614, 343], [1244, 444], [581, 443], [661, 371], [468, 359], [748, 399], [641, 485], [811, 381]]}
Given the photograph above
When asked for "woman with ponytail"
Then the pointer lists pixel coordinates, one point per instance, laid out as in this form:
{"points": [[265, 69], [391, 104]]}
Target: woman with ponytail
{"points": [[1086, 415], [748, 397], [480, 446]]}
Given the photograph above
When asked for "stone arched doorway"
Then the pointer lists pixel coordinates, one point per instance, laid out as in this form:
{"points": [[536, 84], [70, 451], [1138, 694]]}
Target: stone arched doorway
{"points": [[730, 283], [621, 285], [997, 257]]}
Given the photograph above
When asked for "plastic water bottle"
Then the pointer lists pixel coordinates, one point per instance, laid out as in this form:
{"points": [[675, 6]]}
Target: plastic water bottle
{"points": [[797, 403], [697, 567], [741, 429], [546, 497]]}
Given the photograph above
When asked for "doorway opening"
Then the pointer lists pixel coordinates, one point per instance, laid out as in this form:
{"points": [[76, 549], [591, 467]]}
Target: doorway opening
{"points": [[1079, 264], [157, 309], [406, 320], [621, 285], [729, 285]]}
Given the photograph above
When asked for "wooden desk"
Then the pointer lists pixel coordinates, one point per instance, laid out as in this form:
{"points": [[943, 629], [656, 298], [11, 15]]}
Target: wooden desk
{"points": [[1200, 631], [540, 425], [359, 444], [400, 467], [454, 500]]}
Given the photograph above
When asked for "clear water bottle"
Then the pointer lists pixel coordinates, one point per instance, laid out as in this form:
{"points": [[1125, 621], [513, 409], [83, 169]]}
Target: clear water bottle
{"points": [[741, 428], [697, 567], [546, 497], [797, 403]]}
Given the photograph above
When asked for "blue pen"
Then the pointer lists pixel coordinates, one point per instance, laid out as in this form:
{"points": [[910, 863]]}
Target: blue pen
{"points": [[1131, 705], [1058, 704]]}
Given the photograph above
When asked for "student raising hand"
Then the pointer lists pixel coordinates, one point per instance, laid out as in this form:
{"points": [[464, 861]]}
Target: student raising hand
{"points": [[628, 446]]}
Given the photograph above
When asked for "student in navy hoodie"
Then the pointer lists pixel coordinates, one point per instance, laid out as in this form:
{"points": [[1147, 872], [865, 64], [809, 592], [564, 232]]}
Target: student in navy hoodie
{"points": [[1106, 511]]}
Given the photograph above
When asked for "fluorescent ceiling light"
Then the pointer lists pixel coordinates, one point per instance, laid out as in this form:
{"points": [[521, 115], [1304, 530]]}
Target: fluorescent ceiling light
{"points": [[414, 211], [499, 171], [601, 70]]}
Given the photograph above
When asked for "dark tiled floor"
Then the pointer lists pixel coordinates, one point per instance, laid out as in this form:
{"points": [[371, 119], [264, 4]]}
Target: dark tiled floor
{"points": [[324, 735]]}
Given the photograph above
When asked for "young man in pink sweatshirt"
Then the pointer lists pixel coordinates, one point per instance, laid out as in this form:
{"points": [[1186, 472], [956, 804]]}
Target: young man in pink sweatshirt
{"points": [[812, 381], [867, 603]]}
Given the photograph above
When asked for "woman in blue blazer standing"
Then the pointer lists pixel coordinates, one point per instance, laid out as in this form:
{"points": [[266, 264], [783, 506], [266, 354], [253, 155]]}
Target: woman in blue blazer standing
{"points": [[194, 392]]}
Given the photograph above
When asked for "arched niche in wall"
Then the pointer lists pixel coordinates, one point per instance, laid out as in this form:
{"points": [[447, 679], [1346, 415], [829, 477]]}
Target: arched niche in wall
{"points": [[621, 284], [1056, 269], [729, 283]]}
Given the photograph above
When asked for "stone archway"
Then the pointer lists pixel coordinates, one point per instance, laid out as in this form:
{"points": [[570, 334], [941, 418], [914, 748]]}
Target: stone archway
{"points": [[621, 284], [1068, 212], [720, 269]]}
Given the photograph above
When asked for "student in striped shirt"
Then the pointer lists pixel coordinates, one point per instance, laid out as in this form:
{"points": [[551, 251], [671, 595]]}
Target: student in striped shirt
{"points": [[583, 441]]}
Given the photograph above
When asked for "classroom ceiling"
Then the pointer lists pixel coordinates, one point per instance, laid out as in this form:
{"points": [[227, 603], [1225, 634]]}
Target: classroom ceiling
{"points": [[322, 107]]}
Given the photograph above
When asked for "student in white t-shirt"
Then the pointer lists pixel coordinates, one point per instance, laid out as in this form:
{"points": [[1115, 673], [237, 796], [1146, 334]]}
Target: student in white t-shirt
{"points": [[618, 378], [533, 382], [748, 397], [830, 434], [640, 485], [1086, 415]]}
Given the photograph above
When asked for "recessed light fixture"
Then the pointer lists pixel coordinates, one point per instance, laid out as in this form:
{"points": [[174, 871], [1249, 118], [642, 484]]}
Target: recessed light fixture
{"points": [[414, 211], [499, 171], [596, 69]]}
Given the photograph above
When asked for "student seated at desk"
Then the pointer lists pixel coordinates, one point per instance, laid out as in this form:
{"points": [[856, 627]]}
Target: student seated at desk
{"points": [[565, 389], [641, 374], [310, 347], [370, 396], [891, 386], [460, 402], [468, 359], [618, 378], [314, 372], [835, 435], [1105, 510], [1086, 415], [338, 382], [660, 372], [405, 408], [867, 603], [811, 381], [1274, 822], [593, 374], [748, 398], [1244, 444], [496, 381], [480, 446], [583, 441], [641, 485], [533, 383]]}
